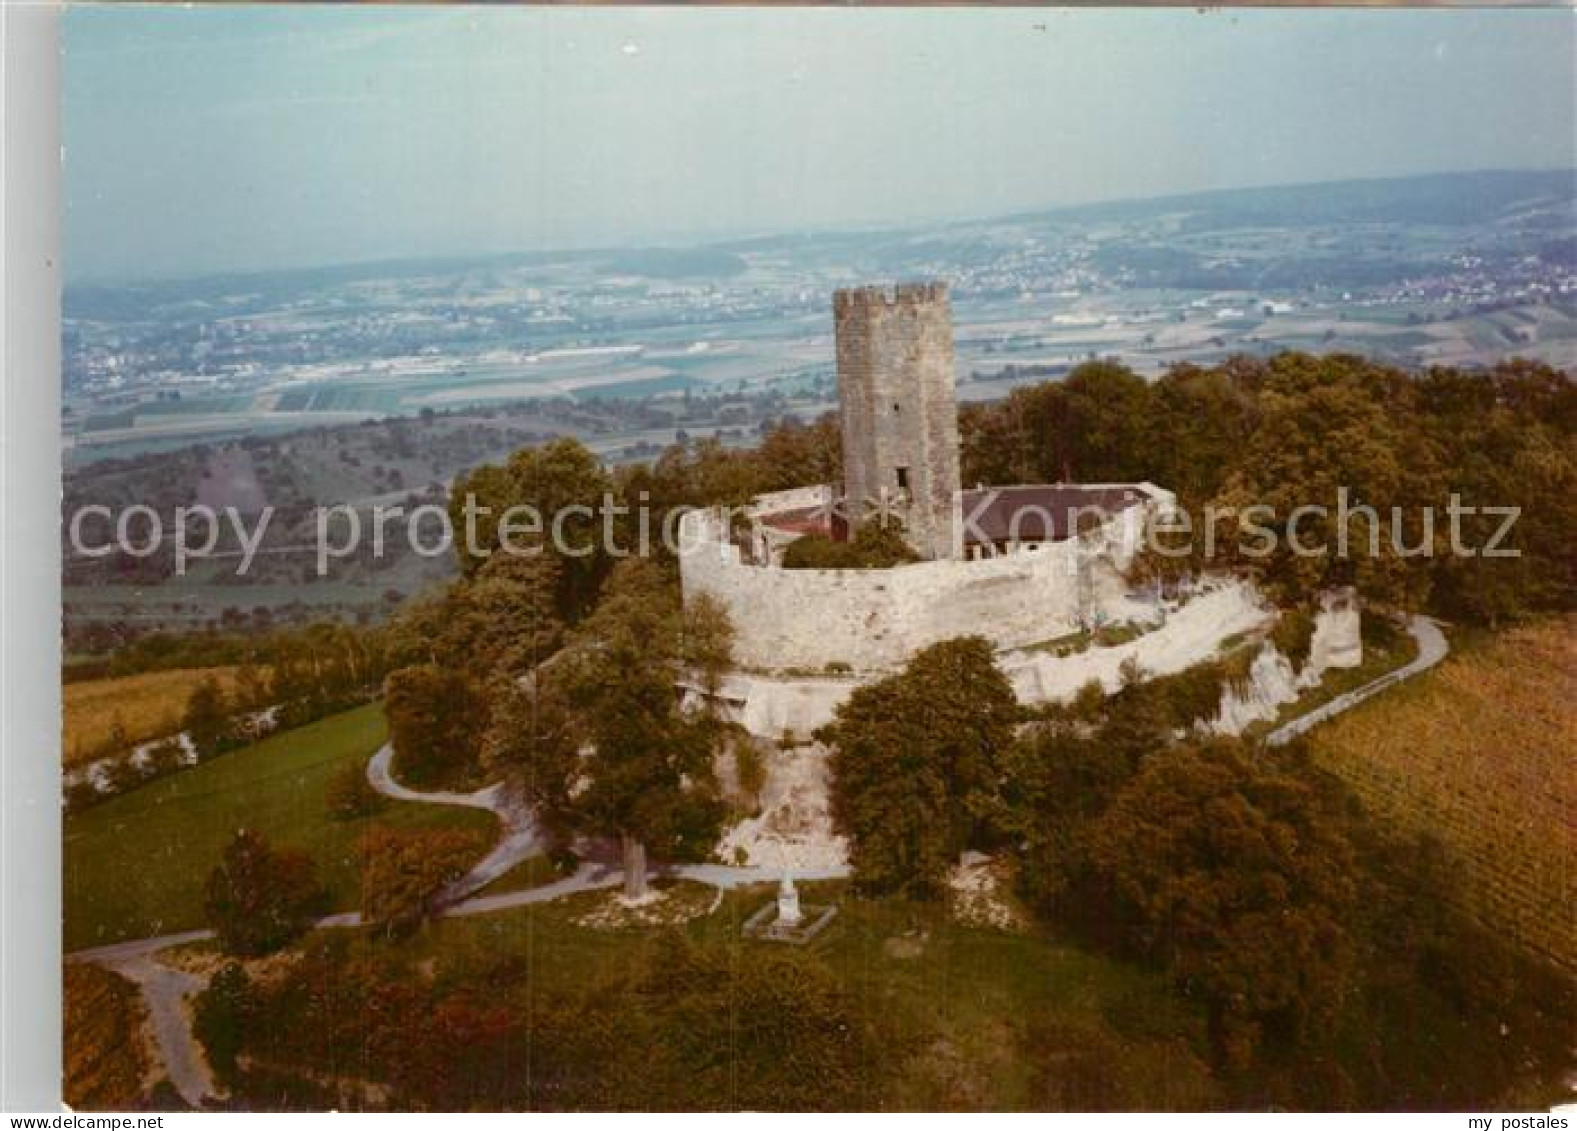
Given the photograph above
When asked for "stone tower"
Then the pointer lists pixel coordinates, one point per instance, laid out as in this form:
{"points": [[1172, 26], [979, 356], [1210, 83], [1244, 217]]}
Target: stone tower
{"points": [[895, 396]]}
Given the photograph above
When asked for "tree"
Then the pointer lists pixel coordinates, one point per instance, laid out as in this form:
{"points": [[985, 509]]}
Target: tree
{"points": [[102, 1069], [917, 762], [437, 719], [1233, 874], [1333, 428], [1509, 440], [1059, 779], [219, 1018], [706, 643], [503, 620], [642, 766], [258, 897], [404, 872], [566, 489], [877, 544]]}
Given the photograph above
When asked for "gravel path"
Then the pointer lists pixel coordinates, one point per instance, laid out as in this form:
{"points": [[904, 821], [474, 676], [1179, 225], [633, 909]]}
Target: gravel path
{"points": [[1432, 648], [521, 837], [166, 989]]}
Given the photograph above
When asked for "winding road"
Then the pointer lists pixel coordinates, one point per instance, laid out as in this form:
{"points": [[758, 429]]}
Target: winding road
{"points": [[166, 989], [1432, 648], [521, 836]]}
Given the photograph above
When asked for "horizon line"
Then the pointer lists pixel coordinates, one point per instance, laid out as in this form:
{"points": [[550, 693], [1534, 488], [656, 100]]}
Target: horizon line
{"points": [[853, 227]]}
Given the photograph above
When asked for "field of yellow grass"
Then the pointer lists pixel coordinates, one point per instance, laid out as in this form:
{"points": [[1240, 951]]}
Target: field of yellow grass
{"points": [[1479, 753], [146, 706]]}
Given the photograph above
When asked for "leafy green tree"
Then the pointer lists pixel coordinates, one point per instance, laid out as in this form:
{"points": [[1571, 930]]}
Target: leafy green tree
{"points": [[207, 718], [219, 1018], [1059, 779], [1509, 440], [644, 772], [566, 487], [437, 720], [706, 642], [794, 454], [1328, 426], [1208, 415], [502, 620], [260, 897], [1235, 875], [404, 872], [917, 763]]}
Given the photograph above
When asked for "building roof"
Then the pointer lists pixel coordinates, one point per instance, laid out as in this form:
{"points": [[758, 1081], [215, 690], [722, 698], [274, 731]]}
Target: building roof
{"points": [[1042, 512]]}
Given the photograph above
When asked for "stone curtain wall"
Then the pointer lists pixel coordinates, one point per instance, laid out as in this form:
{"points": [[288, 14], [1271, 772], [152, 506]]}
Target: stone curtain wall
{"points": [[770, 705], [874, 620], [897, 408], [805, 619]]}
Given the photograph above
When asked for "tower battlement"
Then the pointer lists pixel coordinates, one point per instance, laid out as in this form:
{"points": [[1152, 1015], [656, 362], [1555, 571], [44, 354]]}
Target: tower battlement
{"points": [[897, 410], [895, 294]]}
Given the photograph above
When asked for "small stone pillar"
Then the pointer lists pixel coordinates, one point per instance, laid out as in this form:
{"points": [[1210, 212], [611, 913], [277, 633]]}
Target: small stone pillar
{"points": [[788, 903], [1338, 631]]}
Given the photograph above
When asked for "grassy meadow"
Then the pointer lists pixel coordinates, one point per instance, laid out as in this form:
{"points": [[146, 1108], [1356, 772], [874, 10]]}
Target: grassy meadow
{"points": [[136, 864], [147, 706], [964, 1002]]}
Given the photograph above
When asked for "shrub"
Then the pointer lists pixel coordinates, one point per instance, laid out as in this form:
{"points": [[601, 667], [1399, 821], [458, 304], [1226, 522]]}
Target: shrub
{"points": [[219, 1018], [1293, 633], [350, 795], [206, 720], [125, 773], [403, 872], [166, 757], [798, 1040], [875, 545], [437, 720], [82, 795]]}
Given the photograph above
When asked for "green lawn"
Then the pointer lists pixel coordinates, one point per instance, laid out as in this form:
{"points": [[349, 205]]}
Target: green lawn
{"points": [[135, 865], [959, 997]]}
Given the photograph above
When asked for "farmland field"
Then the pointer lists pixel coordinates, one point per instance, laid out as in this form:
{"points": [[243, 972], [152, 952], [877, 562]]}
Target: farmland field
{"points": [[1478, 753], [146, 706], [135, 865]]}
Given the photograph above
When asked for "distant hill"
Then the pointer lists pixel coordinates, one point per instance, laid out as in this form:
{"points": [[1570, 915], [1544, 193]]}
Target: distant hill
{"points": [[1545, 200], [1437, 198]]}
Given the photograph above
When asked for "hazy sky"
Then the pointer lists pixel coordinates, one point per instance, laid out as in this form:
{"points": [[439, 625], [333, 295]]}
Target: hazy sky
{"points": [[224, 138]]}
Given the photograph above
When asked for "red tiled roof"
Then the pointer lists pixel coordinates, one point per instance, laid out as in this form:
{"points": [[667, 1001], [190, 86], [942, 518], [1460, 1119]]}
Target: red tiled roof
{"points": [[1030, 513], [1039, 512]]}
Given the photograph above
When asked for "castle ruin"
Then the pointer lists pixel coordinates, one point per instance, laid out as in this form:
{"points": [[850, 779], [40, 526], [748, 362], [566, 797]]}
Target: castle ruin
{"points": [[897, 410], [1039, 570]]}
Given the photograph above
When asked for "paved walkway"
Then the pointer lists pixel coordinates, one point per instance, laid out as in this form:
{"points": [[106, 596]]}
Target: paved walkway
{"points": [[1432, 648], [165, 989], [521, 836]]}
